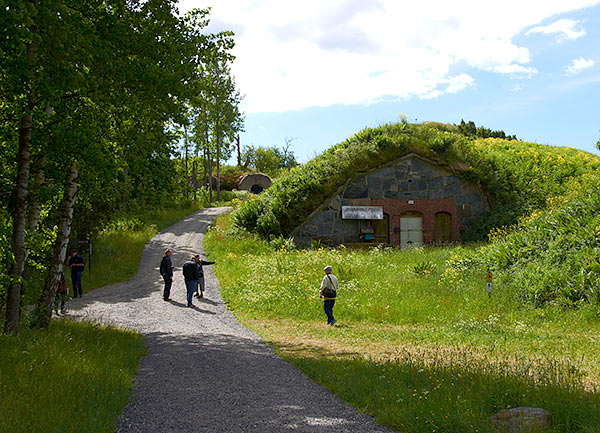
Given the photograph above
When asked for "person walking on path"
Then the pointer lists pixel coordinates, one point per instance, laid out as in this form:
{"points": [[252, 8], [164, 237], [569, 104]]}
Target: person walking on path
{"points": [[75, 261], [191, 277], [166, 270], [328, 293], [62, 294], [201, 275]]}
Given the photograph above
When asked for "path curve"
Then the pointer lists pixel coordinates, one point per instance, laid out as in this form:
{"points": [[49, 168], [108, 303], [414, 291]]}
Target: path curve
{"points": [[205, 372]]}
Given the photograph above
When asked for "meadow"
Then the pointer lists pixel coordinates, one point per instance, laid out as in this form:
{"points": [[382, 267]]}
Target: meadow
{"points": [[418, 343]]}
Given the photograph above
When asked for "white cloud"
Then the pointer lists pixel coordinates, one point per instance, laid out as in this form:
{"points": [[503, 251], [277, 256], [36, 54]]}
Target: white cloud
{"points": [[293, 55], [565, 29], [515, 88], [578, 65]]}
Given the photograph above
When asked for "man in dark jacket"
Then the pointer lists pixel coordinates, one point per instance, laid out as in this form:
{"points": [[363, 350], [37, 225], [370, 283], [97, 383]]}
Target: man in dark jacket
{"points": [[75, 261], [191, 276], [201, 275], [166, 270]]}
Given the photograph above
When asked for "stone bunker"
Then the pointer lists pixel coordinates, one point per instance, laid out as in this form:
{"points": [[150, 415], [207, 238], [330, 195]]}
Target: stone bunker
{"points": [[255, 183], [410, 202]]}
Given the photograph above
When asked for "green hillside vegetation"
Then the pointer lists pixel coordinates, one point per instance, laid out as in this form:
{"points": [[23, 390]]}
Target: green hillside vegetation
{"points": [[551, 256], [518, 176]]}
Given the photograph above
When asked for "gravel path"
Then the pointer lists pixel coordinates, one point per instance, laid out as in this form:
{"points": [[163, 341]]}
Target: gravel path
{"points": [[205, 372]]}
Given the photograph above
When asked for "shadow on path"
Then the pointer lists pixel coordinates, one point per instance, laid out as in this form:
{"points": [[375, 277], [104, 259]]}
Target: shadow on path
{"points": [[231, 385]]}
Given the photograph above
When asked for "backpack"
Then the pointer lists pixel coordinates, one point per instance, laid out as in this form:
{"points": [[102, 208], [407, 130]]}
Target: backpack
{"points": [[62, 285]]}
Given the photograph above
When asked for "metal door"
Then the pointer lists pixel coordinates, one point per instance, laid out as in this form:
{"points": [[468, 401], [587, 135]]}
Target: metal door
{"points": [[411, 230]]}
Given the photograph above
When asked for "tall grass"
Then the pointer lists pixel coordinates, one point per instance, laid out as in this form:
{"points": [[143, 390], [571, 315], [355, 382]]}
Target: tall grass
{"points": [[551, 257], [76, 377], [407, 319], [454, 394]]}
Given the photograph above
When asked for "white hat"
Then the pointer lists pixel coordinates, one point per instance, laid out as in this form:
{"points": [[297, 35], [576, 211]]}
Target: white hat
{"points": [[328, 268]]}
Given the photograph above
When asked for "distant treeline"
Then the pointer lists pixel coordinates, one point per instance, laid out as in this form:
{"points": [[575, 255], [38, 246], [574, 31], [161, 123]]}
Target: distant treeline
{"points": [[471, 130]]}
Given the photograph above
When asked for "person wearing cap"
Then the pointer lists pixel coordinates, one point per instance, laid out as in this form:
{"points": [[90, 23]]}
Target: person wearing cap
{"points": [[75, 261], [166, 270], [191, 276], [328, 293], [200, 284]]}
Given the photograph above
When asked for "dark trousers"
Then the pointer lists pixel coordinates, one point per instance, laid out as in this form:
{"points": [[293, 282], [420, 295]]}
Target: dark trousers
{"points": [[167, 291], [328, 307], [76, 280]]}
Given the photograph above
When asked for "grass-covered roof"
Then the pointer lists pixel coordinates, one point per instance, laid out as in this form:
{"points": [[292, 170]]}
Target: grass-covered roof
{"points": [[518, 176]]}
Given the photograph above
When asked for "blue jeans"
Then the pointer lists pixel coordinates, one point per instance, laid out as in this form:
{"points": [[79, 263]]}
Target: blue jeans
{"points": [[191, 288], [76, 280], [328, 307]]}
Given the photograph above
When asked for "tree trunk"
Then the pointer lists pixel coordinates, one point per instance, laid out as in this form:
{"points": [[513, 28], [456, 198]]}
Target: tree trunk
{"points": [[239, 150], [195, 179], [210, 188], [43, 310], [39, 181], [187, 191], [205, 167], [218, 159], [206, 154], [13, 295]]}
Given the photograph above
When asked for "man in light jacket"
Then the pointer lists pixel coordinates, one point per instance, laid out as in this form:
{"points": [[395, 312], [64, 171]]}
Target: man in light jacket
{"points": [[328, 292]]}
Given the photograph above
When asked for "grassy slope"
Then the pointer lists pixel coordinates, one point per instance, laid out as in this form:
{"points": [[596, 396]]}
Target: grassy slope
{"points": [[419, 352]]}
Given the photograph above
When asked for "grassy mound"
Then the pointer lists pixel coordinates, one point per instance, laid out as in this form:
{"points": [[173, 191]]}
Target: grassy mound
{"points": [[518, 176], [552, 256]]}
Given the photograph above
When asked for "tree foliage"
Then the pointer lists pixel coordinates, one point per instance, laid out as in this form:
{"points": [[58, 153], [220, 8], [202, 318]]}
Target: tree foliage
{"points": [[92, 83]]}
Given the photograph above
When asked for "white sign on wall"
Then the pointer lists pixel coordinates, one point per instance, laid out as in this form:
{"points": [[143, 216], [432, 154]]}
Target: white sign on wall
{"points": [[362, 212]]}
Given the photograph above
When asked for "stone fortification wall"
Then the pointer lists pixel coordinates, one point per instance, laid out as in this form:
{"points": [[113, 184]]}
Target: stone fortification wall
{"points": [[410, 184]]}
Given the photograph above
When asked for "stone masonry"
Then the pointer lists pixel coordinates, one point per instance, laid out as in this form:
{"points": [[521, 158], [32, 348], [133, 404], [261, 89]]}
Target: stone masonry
{"points": [[410, 184]]}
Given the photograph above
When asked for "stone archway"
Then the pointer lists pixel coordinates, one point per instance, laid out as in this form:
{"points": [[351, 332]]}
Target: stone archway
{"points": [[255, 183]]}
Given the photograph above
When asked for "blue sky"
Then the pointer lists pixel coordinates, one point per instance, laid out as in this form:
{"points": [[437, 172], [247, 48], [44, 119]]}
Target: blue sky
{"points": [[319, 70]]}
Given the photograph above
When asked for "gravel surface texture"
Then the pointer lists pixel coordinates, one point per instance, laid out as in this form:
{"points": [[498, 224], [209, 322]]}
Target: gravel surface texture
{"points": [[205, 372]]}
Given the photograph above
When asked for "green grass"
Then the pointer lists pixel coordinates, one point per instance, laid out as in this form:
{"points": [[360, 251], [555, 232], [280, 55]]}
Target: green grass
{"points": [[408, 319], [76, 377]]}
